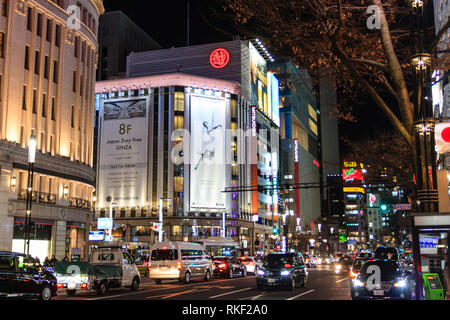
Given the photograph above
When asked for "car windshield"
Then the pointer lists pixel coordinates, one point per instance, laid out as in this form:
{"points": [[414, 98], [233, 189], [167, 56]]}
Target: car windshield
{"points": [[164, 254], [389, 269], [277, 261], [386, 253]]}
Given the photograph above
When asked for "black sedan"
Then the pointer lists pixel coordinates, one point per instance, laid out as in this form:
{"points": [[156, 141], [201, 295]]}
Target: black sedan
{"points": [[20, 276], [382, 279], [229, 267], [287, 270]]}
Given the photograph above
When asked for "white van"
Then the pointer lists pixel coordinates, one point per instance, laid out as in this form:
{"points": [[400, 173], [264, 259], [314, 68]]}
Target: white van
{"points": [[179, 260]]}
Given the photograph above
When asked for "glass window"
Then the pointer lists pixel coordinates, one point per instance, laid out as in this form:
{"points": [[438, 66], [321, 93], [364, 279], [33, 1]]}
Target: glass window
{"points": [[176, 230], [191, 254], [164, 254], [127, 259], [106, 256], [6, 263]]}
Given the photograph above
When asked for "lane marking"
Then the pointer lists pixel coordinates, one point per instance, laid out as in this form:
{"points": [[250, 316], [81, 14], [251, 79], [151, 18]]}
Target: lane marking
{"points": [[166, 288], [301, 294], [227, 293], [341, 280]]}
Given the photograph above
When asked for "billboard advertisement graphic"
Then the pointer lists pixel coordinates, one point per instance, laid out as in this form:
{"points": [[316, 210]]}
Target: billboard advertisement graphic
{"points": [[208, 178], [122, 163]]}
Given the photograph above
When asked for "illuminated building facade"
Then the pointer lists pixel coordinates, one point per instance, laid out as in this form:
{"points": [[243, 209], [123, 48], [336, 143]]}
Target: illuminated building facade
{"points": [[47, 73], [220, 68]]}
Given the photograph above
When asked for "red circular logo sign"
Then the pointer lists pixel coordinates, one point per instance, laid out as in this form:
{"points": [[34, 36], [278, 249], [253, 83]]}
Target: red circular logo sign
{"points": [[219, 58], [445, 134]]}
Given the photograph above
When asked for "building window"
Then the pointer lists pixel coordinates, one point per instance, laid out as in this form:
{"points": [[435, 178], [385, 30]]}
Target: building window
{"points": [[27, 57], [46, 67], [81, 85], [83, 51], [34, 100], [55, 71], [44, 105], [29, 18], [58, 35], [4, 7], [2, 44], [49, 30], [72, 117], [53, 108], [39, 25], [37, 62], [74, 81], [76, 46], [24, 98]]}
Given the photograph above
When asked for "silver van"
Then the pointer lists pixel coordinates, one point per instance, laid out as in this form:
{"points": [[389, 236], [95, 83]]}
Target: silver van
{"points": [[179, 260]]}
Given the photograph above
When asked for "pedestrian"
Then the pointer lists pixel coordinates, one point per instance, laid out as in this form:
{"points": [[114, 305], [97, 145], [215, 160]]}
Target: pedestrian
{"points": [[65, 259], [46, 262], [53, 260]]}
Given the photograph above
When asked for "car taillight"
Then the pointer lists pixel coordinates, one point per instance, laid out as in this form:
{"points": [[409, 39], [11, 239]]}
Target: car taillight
{"points": [[179, 265], [84, 286], [287, 265], [59, 285], [222, 265], [307, 260], [149, 266], [250, 263]]}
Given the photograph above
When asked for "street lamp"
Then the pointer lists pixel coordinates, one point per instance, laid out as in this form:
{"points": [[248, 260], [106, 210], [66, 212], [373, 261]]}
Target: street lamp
{"points": [[161, 231], [31, 160], [223, 231]]}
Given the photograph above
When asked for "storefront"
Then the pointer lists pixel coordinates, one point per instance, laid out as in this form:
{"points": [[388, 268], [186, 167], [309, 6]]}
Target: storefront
{"points": [[40, 237]]}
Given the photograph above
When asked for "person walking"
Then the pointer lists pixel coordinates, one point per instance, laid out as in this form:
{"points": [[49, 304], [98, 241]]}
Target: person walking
{"points": [[53, 260]]}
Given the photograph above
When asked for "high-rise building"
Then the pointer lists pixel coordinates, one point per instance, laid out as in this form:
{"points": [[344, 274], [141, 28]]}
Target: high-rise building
{"points": [[47, 81], [118, 36], [222, 86]]}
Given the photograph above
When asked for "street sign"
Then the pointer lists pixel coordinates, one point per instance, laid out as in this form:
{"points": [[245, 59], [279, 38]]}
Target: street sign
{"points": [[157, 226], [403, 206], [104, 223], [96, 235]]}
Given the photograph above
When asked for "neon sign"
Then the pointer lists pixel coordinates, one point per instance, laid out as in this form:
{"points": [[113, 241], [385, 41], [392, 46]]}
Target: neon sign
{"points": [[352, 174], [219, 58]]}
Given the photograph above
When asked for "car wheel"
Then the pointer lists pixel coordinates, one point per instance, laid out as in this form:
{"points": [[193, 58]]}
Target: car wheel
{"points": [[101, 288], [157, 281], [135, 284], [46, 294], [207, 275], [244, 272], [231, 275], [187, 277], [303, 282], [146, 273], [71, 293]]}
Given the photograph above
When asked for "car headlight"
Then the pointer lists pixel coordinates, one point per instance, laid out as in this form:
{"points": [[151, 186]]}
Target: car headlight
{"points": [[338, 267], [260, 272], [285, 273], [357, 283], [400, 284]]}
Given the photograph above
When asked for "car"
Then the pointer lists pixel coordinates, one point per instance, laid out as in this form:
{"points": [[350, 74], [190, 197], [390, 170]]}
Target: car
{"points": [[143, 267], [282, 269], [20, 276], [383, 252], [179, 260], [229, 267], [356, 266], [342, 266], [394, 281], [309, 261], [250, 263]]}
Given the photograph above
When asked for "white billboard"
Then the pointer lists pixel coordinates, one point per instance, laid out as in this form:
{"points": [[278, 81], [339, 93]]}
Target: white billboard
{"points": [[207, 150], [122, 160]]}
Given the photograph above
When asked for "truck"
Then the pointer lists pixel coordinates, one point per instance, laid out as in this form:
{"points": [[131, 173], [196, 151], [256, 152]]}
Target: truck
{"points": [[108, 267]]}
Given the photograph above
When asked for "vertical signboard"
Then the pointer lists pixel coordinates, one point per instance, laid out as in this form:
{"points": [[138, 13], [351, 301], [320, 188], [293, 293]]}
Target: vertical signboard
{"points": [[208, 179], [275, 99], [254, 165], [258, 76], [297, 178], [123, 141]]}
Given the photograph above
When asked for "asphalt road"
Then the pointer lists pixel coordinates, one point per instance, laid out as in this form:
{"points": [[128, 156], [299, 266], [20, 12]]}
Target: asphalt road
{"points": [[323, 284]]}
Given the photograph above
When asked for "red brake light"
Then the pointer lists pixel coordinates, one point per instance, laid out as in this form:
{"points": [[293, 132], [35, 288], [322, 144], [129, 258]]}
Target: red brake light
{"points": [[179, 265], [242, 258], [222, 265], [59, 285], [287, 265], [84, 286]]}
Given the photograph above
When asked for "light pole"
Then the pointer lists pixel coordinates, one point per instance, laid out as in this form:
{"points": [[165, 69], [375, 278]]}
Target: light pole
{"points": [[161, 231], [108, 236], [223, 230], [31, 160]]}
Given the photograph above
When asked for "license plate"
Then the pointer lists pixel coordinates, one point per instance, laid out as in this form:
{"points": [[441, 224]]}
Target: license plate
{"points": [[71, 286], [270, 280], [378, 292]]}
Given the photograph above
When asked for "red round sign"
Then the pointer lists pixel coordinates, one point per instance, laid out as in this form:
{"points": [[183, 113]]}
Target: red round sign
{"points": [[445, 134], [219, 58]]}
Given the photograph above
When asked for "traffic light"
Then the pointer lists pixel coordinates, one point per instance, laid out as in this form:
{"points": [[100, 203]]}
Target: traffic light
{"points": [[156, 226], [275, 230], [383, 207]]}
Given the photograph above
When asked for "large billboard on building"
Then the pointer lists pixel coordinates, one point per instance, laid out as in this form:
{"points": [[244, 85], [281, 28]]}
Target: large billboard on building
{"points": [[122, 162], [207, 151], [258, 78]]}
